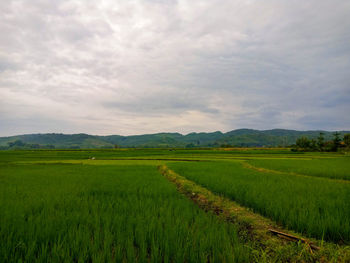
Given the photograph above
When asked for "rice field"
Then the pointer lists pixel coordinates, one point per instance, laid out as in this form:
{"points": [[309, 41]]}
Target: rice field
{"points": [[106, 213], [313, 206], [334, 168], [115, 206]]}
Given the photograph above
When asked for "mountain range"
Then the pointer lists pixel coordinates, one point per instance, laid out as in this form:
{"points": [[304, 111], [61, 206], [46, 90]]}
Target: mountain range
{"points": [[237, 138]]}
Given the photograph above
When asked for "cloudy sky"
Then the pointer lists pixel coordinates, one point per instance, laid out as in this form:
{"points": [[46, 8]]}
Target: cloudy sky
{"points": [[132, 67]]}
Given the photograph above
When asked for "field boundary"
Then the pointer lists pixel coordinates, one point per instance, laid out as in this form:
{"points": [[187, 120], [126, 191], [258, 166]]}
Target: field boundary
{"points": [[247, 165], [255, 228]]}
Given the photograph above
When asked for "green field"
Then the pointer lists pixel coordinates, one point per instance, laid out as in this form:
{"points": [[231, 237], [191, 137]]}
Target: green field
{"points": [[312, 206], [335, 168], [72, 212], [63, 206]]}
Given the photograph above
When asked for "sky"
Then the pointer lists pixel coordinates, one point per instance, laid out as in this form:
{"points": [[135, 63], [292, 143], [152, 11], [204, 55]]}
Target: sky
{"points": [[133, 67]]}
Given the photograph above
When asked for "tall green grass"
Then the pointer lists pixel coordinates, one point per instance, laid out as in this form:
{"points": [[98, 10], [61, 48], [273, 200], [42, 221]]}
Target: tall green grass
{"points": [[92, 213], [335, 168], [313, 206]]}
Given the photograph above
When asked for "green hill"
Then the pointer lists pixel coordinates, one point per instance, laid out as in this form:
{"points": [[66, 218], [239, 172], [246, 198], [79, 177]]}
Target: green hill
{"points": [[240, 138]]}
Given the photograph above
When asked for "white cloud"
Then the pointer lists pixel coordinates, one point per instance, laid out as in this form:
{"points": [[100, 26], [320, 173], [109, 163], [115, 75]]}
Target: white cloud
{"points": [[127, 67]]}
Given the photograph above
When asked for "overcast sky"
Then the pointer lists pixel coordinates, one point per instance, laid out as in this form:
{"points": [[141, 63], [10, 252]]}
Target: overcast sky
{"points": [[134, 67]]}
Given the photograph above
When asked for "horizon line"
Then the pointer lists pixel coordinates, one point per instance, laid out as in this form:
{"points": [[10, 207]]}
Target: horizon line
{"points": [[183, 134]]}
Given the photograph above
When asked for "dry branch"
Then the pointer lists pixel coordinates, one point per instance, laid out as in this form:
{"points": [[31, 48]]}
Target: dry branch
{"points": [[294, 238]]}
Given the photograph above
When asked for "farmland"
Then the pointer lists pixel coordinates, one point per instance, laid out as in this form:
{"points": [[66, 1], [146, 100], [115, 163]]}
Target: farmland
{"points": [[104, 213], [316, 207], [115, 206], [334, 168]]}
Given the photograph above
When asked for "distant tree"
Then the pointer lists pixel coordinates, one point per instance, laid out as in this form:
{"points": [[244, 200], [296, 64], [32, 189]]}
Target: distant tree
{"points": [[74, 147], [320, 142], [216, 144], [303, 143], [313, 145], [49, 146], [116, 146], [34, 146], [15, 144], [226, 145], [328, 146], [347, 139], [336, 141]]}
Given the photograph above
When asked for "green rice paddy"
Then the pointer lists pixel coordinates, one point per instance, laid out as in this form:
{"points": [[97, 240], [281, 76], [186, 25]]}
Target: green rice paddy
{"points": [[335, 168], [115, 206], [100, 213], [313, 206]]}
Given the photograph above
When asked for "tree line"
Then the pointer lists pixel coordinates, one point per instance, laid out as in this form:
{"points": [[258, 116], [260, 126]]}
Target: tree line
{"points": [[19, 145], [304, 144]]}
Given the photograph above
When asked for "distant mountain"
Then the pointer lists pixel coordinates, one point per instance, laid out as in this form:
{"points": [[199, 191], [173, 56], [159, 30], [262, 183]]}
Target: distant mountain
{"points": [[240, 138]]}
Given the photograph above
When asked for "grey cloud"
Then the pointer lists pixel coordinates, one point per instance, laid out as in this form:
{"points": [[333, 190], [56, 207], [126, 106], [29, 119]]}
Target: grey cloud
{"points": [[164, 103], [174, 65]]}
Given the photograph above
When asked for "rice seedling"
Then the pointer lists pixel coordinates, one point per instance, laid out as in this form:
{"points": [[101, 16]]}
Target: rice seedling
{"points": [[335, 168], [313, 206], [106, 213]]}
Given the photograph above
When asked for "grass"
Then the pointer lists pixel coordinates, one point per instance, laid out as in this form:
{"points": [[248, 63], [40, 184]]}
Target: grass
{"points": [[335, 168], [106, 213], [255, 228], [54, 155], [61, 206], [313, 206]]}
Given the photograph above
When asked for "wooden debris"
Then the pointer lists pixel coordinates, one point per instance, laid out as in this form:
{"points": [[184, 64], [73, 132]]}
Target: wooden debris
{"points": [[294, 238]]}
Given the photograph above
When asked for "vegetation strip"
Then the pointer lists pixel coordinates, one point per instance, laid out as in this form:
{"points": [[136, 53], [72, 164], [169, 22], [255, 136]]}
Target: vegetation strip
{"points": [[294, 238], [252, 227], [152, 159], [265, 170]]}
